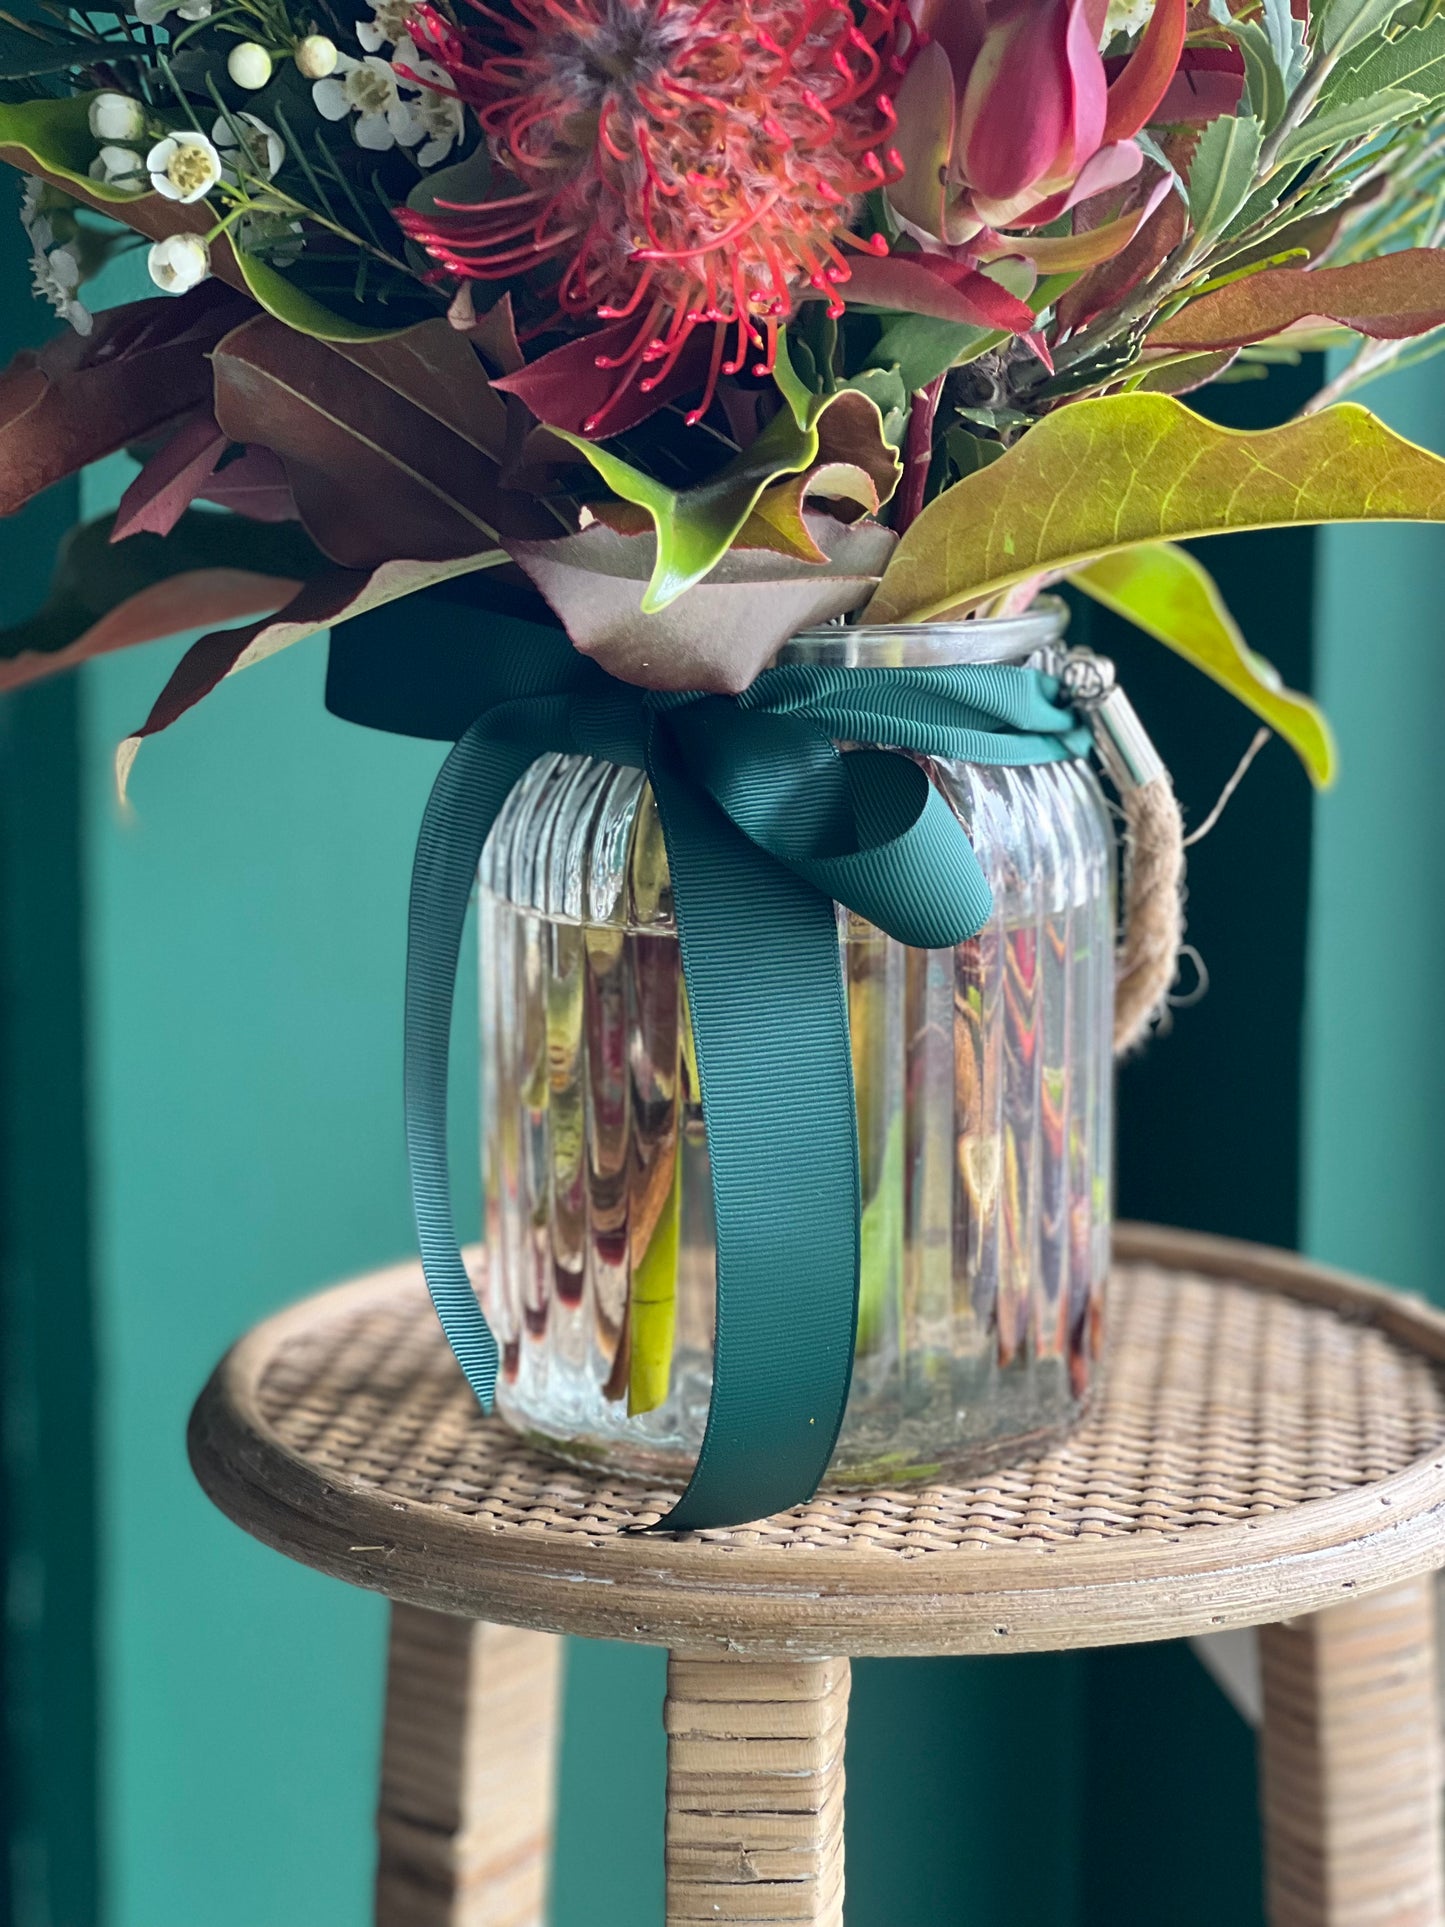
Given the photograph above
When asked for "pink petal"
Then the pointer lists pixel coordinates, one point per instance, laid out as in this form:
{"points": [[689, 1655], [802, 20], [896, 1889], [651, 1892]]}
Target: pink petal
{"points": [[924, 139], [1017, 107], [1135, 95]]}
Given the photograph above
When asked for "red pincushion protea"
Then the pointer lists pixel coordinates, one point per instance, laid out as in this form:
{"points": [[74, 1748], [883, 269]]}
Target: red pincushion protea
{"points": [[698, 161]]}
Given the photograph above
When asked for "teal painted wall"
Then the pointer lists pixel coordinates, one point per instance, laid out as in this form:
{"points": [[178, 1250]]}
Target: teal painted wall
{"points": [[1374, 1198]]}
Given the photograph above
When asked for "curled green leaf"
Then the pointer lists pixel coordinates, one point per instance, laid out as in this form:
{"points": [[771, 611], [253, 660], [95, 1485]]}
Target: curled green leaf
{"points": [[1166, 592]]}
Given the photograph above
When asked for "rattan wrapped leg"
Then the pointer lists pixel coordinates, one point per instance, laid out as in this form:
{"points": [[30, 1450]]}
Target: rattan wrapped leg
{"points": [[467, 1767], [1352, 1764], [755, 1791]]}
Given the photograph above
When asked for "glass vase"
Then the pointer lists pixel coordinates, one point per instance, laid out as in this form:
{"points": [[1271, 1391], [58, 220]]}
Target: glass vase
{"points": [[984, 1085]]}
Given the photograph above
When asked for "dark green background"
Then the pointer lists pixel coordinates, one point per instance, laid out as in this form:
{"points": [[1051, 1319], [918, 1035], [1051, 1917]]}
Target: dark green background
{"points": [[200, 1079]]}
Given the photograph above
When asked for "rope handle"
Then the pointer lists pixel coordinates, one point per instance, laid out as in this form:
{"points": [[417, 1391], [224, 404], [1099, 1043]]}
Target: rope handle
{"points": [[1152, 921]]}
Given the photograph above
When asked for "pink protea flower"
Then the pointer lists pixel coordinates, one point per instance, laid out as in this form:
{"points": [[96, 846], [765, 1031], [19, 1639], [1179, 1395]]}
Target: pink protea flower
{"points": [[693, 162], [1009, 118]]}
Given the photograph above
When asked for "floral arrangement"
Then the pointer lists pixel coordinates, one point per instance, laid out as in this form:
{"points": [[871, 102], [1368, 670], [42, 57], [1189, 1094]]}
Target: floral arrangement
{"points": [[715, 318]]}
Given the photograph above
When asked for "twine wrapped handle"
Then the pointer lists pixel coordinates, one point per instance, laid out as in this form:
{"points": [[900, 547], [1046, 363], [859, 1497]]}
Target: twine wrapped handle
{"points": [[1152, 923]]}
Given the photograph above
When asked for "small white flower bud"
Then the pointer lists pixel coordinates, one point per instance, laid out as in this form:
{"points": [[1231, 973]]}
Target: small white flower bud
{"points": [[179, 262], [316, 56], [249, 65], [120, 165], [116, 117]]}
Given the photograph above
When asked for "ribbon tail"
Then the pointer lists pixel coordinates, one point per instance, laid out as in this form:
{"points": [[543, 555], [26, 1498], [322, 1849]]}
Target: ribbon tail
{"points": [[474, 782], [769, 1009]]}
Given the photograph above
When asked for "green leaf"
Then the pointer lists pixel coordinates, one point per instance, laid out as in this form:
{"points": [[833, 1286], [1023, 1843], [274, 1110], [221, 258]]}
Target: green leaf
{"points": [[1338, 25], [303, 312], [1165, 592], [1415, 61], [25, 55], [1123, 470], [1222, 173], [921, 348], [1350, 121], [1268, 95], [54, 136], [105, 596], [695, 526]]}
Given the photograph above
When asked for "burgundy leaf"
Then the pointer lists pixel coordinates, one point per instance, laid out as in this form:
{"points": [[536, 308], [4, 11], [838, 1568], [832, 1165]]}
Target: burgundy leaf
{"points": [[80, 397], [170, 481], [107, 596], [566, 388], [253, 484], [726, 628], [1390, 298], [1210, 82], [326, 599], [948, 292], [1108, 284], [391, 448]]}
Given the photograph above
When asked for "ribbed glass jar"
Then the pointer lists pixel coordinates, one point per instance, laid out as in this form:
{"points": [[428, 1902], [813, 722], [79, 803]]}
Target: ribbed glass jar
{"points": [[984, 1083]]}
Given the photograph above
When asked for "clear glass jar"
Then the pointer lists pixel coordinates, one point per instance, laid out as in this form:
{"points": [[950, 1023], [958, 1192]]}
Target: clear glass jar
{"points": [[984, 1081]]}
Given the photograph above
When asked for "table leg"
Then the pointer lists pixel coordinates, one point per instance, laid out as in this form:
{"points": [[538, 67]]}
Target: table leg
{"points": [[1351, 1764], [755, 1791], [467, 1769]]}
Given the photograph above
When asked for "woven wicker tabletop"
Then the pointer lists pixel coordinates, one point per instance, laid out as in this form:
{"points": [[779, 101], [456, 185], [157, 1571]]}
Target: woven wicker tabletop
{"points": [[1269, 1439]]}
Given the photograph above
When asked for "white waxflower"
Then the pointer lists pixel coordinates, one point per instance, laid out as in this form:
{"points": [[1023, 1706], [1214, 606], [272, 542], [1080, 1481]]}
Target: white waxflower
{"points": [[119, 167], [436, 104], [316, 56], [248, 135], [183, 167], [368, 88], [387, 26], [249, 65], [56, 277], [180, 262], [151, 13], [116, 117], [1126, 16], [54, 272]]}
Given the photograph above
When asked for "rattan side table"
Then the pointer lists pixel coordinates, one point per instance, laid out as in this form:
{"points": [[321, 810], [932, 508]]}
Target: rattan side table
{"points": [[1268, 1448]]}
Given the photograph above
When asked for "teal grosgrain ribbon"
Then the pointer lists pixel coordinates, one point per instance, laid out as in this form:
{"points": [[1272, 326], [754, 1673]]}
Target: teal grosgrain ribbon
{"points": [[766, 824]]}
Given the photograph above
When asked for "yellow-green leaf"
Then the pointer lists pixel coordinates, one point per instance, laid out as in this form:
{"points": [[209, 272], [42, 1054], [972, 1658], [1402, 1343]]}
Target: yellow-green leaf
{"points": [[1123, 470], [1165, 592]]}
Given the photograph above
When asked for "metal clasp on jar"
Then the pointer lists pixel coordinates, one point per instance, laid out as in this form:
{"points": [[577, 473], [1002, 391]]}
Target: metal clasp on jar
{"points": [[1121, 741]]}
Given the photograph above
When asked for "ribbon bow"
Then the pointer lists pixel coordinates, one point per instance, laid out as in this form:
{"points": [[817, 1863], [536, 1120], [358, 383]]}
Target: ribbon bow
{"points": [[766, 825]]}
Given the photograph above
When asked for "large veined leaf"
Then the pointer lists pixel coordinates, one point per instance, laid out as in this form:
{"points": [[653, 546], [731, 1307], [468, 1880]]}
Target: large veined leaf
{"points": [[1171, 596], [1336, 26], [1391, 297], [1122, 470], [391, 447], [319, 603], [106, 596]]}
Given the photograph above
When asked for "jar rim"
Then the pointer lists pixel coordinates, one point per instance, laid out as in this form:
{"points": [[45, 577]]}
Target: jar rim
{"points": [[918, 645]]}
